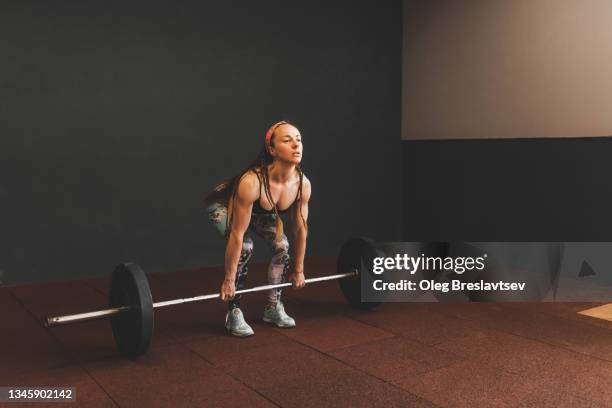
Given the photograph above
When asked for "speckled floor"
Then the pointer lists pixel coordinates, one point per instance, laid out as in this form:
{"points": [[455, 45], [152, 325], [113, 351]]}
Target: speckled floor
{"points": [[400, 354]]}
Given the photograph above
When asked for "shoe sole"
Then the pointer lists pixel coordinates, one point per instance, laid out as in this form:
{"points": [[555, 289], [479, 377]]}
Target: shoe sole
{"points": [[239, 334], [278, 325]]}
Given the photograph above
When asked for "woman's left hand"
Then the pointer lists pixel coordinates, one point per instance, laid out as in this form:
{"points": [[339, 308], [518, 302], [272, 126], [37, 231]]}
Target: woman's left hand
{"points": [[297, 277]]}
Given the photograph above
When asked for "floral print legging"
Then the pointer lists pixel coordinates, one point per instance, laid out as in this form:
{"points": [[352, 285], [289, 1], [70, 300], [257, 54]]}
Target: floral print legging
{"points": [[264, 225]]}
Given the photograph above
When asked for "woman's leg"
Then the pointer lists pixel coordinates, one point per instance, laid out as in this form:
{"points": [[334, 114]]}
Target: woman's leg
{"points": [[217, 214], [274, 312], [242, 270], [278, 269], [265, 227]]}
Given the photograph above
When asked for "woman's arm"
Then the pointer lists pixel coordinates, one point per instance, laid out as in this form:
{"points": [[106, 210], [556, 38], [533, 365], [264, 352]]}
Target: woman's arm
{"points": [[248, 191], [300, 217]]}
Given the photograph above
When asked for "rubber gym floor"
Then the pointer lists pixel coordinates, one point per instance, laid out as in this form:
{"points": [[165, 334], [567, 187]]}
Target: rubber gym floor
{"points": [[400, 354]]}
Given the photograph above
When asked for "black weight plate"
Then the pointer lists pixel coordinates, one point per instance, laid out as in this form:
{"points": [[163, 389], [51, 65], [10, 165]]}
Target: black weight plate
{"points": [[132, 329], [538, 264], [356, 254]]}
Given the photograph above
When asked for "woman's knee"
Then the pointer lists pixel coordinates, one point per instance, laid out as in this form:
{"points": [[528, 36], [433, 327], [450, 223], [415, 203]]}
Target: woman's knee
{"points": [[281, 246], [247, 249], [247, 244]]}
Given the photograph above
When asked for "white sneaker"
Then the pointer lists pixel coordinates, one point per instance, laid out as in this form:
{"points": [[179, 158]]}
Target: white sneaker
{"points": [[278, 316], [236, 325]]}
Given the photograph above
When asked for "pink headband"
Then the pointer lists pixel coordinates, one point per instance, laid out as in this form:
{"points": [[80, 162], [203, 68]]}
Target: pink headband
{"points": [[270, 132]]}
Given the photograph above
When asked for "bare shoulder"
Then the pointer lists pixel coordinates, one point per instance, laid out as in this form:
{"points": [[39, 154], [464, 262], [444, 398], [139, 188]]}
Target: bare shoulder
{"points": [[248, 188], [306, 187]]}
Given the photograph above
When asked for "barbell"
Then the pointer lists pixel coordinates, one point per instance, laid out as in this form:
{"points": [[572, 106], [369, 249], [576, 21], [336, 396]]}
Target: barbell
{"points": [[131, 304]]}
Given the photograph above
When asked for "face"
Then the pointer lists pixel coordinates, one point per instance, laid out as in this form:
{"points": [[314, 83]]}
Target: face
{"points": [[287, 144]]}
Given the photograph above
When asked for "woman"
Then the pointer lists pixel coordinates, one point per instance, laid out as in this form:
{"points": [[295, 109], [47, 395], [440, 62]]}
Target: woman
{"points": [[253, 202]]}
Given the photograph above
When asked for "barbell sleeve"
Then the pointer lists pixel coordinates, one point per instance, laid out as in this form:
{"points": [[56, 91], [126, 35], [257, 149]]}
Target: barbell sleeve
{"points": [[82, 317]]}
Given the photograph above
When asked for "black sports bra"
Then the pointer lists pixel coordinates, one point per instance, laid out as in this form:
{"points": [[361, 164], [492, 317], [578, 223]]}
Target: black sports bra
{"points": [[258, 209]]}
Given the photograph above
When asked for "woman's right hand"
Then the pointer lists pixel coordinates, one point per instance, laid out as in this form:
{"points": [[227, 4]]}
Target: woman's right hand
{"points": [[228, 289]]}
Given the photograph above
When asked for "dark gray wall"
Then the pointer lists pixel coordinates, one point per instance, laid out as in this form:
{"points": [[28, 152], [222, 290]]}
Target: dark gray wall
{"points": [[507, 190], [115, 119]]}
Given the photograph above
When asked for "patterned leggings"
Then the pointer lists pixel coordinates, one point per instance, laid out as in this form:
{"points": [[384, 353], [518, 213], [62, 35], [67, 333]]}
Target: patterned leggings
{"points": [[264, 225]]}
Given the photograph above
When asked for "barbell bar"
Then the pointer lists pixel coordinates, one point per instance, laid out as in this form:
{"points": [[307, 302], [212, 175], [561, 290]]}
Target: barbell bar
{"points": [[131, 305], [105, 313]]}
